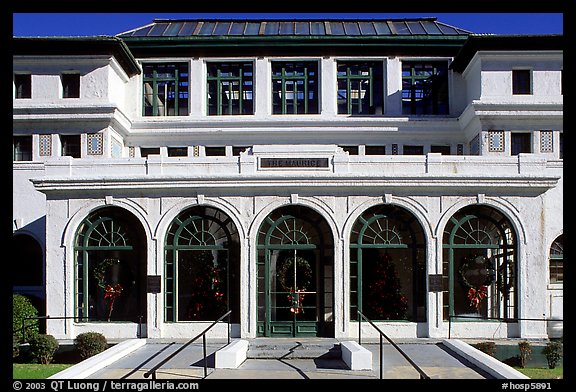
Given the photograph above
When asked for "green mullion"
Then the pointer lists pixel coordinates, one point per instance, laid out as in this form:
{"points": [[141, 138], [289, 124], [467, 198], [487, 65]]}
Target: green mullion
{"points": [[287, 246], [470, 246], [176, 93], [348, 91], [379, 246], [359, 283], [85, 307]]}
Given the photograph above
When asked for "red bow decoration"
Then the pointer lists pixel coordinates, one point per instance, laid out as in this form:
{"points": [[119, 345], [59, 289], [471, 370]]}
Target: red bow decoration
{"points": [[477, 295], [111, 295]]}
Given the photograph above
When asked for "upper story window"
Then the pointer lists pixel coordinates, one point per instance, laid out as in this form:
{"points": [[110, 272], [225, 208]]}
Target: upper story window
{"points": [[521, 142], [521, 82], [22, 148], [424, 87], [294, 87], [70, 145], [360, 87], [165, 89], [70, 85], [230, 88], [23, 84]]}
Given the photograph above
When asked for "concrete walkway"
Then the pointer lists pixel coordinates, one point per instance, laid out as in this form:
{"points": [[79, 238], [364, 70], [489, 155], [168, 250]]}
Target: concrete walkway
{"points": [[432, 357]]}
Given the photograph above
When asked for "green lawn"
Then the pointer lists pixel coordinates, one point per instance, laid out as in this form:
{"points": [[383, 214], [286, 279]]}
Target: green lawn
{"points": [[35, 370], [542, 373]]}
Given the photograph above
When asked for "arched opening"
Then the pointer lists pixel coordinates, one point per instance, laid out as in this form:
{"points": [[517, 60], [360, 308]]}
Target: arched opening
{"points": [[556, 261], [295, 274], [479, 264], [202, 266], [28, 270], [388, 265], [110, 267]]}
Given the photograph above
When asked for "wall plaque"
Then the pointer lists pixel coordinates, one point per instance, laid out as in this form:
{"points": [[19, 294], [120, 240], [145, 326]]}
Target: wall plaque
{"points": [[154, 284], [435, 283], [293, 162]]}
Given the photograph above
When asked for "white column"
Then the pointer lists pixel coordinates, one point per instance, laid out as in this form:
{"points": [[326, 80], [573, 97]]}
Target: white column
{"points": [[328, 87], [262, 88]]}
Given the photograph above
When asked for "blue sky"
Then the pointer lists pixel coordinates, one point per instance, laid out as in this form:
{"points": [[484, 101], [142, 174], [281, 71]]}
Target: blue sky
{"points": [[82, 24]]}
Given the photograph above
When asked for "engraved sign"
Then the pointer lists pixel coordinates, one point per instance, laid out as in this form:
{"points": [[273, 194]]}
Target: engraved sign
{"points": [[154, 284], [293, 162]]}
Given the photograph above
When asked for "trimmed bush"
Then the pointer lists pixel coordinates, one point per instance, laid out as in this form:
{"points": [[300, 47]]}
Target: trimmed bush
{"points": [[22, 308], [89, 344], [15, 346], [553, 353], [486, 347], [43, 347], [525, 352]]}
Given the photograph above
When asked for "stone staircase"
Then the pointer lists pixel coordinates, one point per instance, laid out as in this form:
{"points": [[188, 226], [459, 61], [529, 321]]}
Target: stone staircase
{"points": [[297, 348]]}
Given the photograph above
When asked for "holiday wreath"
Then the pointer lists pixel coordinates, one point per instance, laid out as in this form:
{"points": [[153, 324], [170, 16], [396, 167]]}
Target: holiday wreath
{"points": [[285, 276], [476, 274]]}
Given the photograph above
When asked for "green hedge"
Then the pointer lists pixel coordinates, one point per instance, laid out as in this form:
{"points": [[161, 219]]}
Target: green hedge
{"points": [[22, 308]]}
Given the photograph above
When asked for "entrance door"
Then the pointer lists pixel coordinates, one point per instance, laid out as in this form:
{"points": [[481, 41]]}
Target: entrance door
{"points": [[295, 269], [293, 300]]}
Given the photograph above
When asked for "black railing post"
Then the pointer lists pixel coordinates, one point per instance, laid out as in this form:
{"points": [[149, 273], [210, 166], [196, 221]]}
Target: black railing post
{"points": [[204, 352]]}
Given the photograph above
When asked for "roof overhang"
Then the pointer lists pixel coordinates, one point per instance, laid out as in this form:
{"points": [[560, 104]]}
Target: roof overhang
{"points": [[476, 43], [74, 46]]}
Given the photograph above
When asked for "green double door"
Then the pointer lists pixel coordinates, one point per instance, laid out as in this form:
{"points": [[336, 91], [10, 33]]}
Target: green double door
{"points": [[293, 301]]}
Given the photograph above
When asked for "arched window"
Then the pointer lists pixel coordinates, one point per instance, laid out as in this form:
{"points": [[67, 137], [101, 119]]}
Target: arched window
{"points": [[387, 265], [479, 264], [110, 267], [557, 260], [202, 266], [295, 274]]}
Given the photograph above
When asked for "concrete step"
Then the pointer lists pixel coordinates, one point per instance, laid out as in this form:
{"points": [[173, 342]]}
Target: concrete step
{"points": [[271, 348]]}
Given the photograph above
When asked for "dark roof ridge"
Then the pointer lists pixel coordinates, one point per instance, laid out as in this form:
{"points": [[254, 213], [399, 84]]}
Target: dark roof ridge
{"points": [[162, 20]]}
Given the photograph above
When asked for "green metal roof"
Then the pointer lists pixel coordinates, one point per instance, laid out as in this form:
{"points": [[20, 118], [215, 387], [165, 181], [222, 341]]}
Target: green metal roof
{"points": [[162, 28]]}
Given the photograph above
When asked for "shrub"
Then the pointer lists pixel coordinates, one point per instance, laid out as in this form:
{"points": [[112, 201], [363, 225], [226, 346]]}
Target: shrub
{"points": [[15, 346], [43, 347], [90, 343], [525, 352], [21, 309], [553, 353], [486, 347]]}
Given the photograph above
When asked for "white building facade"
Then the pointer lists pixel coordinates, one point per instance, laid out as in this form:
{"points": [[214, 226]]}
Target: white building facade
{"points": [[296, 173]]}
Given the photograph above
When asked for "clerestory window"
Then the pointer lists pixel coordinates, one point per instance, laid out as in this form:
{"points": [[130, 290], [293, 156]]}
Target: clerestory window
{"points": [[230, 88], [424, 87], [295, 87], [360, 87], [165, 89]]}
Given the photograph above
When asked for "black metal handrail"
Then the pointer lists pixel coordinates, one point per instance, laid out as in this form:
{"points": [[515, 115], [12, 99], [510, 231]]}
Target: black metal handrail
{"points": [[88, 319], [501, 319], [152, 371], [423, 375]]}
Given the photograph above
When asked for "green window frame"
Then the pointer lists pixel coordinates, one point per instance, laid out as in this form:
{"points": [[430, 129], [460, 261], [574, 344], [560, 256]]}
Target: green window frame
{"points": [[480, 231], [381, 234], [360, 88], [295, 87], [424, 87], [165, 89], [230, 88], [97, 233], [22, 148], [201, 261], [556, 263]]}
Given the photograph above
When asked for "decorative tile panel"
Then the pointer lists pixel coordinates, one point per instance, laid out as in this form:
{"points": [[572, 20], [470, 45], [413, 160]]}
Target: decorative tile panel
{"points": [[95, 143], [496, 141], [459, 149], [546, 141], [131, 152], [196, 151], [45, 145], [394, 149]]}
